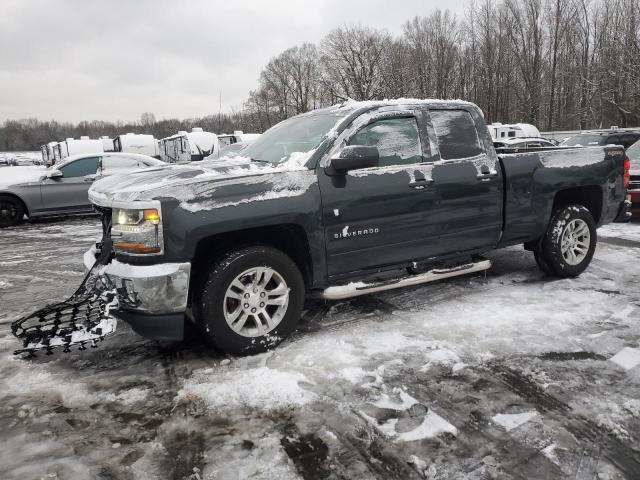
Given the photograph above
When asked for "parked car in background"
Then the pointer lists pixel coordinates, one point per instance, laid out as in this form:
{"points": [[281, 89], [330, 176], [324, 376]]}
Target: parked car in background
{"points": [[633, 152], [525, 142], [62, 188], [625, 138]]}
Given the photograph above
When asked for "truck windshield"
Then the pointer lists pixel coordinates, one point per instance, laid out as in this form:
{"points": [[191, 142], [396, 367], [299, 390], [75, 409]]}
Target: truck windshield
{"points": [[296, 135]]}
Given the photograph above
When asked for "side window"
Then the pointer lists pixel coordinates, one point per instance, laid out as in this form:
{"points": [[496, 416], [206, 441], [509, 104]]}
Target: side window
{"points": [[113, 162], [534, 145], [457, 135], [80, 168], [397, 140]]}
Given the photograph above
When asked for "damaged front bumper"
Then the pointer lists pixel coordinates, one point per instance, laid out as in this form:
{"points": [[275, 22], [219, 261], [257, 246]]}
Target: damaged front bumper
{"points": [[152, 298]]}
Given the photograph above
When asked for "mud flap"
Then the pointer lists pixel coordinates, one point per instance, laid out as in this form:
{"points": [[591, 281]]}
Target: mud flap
{"points": [[86, 317]]}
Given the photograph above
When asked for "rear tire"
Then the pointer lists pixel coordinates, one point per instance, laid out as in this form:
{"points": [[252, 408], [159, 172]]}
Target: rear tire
{"points": [[251, 300], [570, 241], [11, 211]]}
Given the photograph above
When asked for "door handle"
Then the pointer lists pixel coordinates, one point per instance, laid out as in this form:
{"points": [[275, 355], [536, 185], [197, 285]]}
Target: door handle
{"points": [[420, 183]]}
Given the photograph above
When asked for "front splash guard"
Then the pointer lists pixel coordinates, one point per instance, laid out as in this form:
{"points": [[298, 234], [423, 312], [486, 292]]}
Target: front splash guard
{"points": [[84, 318]]}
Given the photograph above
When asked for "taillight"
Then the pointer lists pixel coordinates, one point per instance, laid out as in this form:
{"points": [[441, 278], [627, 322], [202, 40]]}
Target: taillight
{"points": [[627, 172]]}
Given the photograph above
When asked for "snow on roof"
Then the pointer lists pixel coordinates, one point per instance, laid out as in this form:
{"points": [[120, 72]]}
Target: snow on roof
{"points": [[354, 105], [136, 139]]}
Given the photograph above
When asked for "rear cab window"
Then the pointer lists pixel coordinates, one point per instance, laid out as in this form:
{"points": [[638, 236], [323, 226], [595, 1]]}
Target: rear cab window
{"points": [[456, 133]]}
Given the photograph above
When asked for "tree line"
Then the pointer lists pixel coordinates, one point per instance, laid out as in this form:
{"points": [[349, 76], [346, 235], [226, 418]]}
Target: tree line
{"points": [[558, 64]]}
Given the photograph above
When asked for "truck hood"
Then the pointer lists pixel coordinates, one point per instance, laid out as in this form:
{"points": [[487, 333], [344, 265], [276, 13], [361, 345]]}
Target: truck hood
{"points": [[204, 185], [10, 176]]}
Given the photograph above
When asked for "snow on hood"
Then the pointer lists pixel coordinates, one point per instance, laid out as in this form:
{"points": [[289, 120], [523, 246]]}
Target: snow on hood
{"points": [[15, 175], [190, 183]]}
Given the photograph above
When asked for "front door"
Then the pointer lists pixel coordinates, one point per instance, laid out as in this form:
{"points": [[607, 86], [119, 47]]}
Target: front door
{"points": [[376, 216], [70, 192]]}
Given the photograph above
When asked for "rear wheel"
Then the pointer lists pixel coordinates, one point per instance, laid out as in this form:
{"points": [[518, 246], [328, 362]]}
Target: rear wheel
{"points": [[251, 300], [11, 211], [570, 241]]}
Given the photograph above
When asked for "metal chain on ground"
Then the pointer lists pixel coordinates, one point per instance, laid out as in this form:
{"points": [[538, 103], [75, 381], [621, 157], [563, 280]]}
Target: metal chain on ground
{"points": [[82, 319]]}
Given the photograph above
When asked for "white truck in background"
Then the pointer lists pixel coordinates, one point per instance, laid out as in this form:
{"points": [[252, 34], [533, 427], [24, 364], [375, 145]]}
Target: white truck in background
{"points": [[72, 146], [503, 131], [189, 146], [136, 143]]}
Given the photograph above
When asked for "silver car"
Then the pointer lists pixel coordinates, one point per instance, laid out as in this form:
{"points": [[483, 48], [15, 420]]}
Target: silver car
{"points": [[62, 188]]}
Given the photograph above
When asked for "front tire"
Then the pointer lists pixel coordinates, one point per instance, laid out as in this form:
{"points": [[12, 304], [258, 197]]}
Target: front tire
{"points": [[251, 300], [570, 241], [11, 211]]}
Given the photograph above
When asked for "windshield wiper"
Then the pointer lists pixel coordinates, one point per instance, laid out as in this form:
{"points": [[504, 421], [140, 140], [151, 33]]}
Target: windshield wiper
{"points": [[258, 160]]}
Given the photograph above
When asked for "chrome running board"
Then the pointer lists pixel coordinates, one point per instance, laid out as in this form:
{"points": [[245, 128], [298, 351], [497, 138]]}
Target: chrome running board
{"points": [[341, 292]]}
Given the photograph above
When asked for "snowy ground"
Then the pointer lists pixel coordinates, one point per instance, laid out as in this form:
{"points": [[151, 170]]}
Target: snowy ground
{"points": [[509, 376], [20, 158]]}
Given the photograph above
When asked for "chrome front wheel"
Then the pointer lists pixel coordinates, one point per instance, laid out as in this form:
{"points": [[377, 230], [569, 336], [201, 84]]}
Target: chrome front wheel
{"points": [[256, 301]]}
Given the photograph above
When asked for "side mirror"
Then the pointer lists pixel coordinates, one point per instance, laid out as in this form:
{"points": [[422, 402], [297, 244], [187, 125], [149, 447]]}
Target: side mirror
{"points": [[54, 174], [353, 157]]}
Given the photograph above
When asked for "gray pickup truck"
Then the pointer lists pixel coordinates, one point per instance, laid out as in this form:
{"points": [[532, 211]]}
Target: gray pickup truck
{"points": [[338, 202]]}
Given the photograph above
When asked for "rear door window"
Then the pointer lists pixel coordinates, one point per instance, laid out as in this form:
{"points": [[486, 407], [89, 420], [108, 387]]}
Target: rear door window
{"points": [[80, 167], [397, 139], [119, 162], [457, 134]]}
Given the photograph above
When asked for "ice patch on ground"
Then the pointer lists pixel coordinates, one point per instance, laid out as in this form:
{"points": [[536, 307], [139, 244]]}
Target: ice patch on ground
{"points": [[627, 358], [432, 426], [258, 388], [405, 401], [509, 421]]}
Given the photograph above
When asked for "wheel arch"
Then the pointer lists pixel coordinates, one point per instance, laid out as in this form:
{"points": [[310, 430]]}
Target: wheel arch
{"points": [[291, 239], [590, 196], [18, 198]]}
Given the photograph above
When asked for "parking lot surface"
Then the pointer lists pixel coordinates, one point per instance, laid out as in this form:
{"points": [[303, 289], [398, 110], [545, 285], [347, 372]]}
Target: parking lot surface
{"points": [[508, 375]]}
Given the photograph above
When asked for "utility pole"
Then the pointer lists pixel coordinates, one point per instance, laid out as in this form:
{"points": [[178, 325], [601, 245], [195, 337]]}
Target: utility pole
{"points": [[220, 114]]}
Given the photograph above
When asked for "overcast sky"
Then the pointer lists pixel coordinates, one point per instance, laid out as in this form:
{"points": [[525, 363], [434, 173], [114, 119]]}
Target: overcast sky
{"points": [[112, 60]]}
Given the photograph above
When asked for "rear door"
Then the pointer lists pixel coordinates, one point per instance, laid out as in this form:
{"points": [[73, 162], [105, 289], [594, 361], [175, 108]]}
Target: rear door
{"points": [[70, 192], [468, 181], [376, 216]]}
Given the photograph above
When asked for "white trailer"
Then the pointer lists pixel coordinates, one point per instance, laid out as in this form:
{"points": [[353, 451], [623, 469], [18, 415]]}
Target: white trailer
{"points": [[107, 143], [72, 146], [136, 143], [502, 131], [47, 153], [188, 146], [236, 137]]}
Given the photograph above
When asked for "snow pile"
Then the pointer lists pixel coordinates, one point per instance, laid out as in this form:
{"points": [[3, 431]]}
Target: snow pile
{"points": [[261, 387], [509, 421]]}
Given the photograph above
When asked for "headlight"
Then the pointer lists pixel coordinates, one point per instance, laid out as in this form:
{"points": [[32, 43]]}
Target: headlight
{"points": [[137, 232]]}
